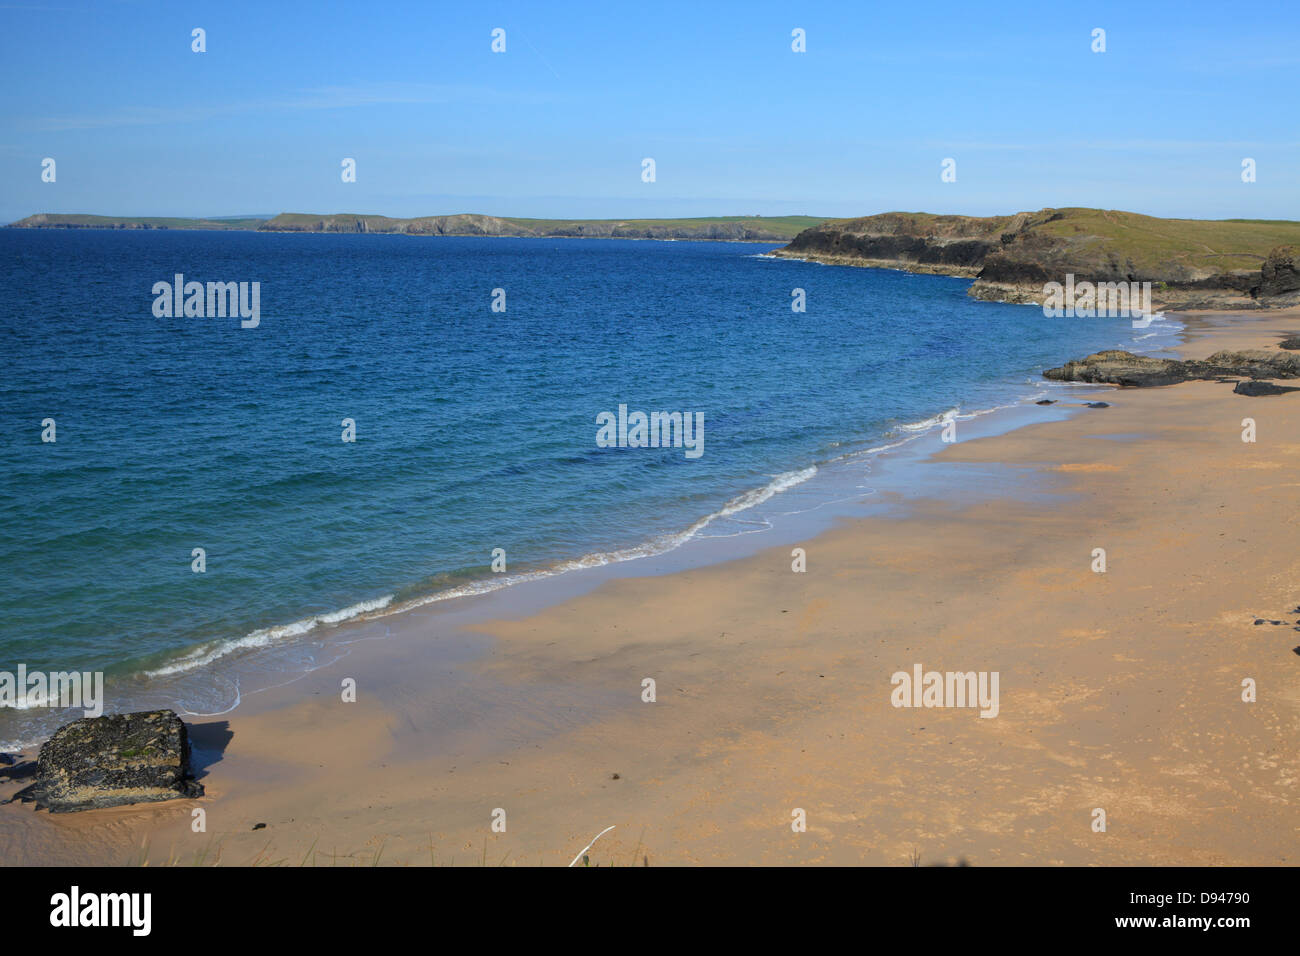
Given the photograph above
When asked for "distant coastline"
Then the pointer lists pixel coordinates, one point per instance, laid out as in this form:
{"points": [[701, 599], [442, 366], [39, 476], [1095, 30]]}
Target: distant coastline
{"points": [[1190, 263], [717, 228]]}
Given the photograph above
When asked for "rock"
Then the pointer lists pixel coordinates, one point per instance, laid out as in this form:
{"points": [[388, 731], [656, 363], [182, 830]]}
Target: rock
{"points": [[1291, 343], [259, 826], [109, 761], [1262, 388], [1280, 274], [1116, 367], [1098, 404], [1046, 401]]}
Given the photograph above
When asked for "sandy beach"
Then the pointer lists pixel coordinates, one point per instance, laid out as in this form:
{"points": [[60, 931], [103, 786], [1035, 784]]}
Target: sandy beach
{"points": [[1120, 691]]}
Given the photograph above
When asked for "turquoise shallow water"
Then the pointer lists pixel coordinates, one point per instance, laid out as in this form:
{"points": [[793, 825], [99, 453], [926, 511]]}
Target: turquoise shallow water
{"points": [[476, 430]]}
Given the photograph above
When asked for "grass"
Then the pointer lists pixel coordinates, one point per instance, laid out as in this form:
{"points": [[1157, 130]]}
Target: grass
{"points": [[1087, 238], [1220, 245]]}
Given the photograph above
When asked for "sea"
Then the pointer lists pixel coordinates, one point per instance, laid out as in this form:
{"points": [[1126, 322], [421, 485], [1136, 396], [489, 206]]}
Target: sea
{"points": [[413, 420]]}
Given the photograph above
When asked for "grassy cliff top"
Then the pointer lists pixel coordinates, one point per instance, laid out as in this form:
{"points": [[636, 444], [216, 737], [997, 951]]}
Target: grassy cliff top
{"points": [[1148, 243], [1218, 245]]}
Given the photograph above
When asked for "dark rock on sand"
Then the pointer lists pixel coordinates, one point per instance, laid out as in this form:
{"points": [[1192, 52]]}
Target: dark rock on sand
{"points": [[1263, 388], [1098, 404], [1117, 367], [1280, 274], [108, 761], [1046, 401], [1291, 343]]}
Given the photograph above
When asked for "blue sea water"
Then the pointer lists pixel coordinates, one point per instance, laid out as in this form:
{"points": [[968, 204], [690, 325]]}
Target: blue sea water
{"points": [[475, 430]]}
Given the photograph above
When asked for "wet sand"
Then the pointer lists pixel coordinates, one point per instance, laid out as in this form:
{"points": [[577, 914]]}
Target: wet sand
{"points": [[1119, 691]]}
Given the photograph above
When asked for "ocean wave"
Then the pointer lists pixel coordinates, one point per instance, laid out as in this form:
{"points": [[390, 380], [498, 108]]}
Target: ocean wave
{"points": [[212, 652], [655, 546], [928, 423]]}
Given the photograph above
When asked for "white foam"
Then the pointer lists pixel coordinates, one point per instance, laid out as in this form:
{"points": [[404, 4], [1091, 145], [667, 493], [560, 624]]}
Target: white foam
{"points": [[382, 607], [266, 636], [926, 424]]}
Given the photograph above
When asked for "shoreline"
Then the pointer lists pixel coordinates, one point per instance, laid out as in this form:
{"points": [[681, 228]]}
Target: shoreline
{"points": [[270, 654], [550, 686], [832, 494], [1005, 293]]}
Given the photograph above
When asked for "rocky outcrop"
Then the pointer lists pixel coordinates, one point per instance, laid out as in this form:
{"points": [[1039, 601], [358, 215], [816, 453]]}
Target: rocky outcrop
{"points": [[1115, 367], [108, 761], [1280, 274], [1189, 263], [916, 242]]}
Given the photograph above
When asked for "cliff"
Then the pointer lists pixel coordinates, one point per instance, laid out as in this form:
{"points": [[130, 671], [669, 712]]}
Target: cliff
{"points": [[1191, 263]]}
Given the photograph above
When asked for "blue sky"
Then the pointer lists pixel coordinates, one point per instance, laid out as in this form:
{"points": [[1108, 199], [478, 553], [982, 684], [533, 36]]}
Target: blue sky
{"points": [[736, 122]]}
